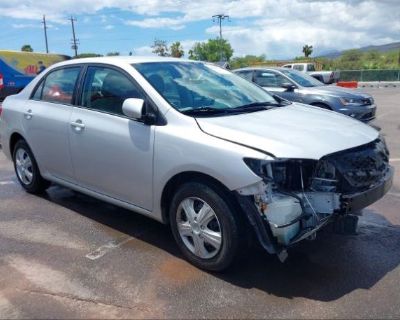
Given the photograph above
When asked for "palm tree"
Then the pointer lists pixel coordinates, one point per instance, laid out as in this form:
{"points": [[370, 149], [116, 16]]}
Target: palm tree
{"points": [[307, 50]]}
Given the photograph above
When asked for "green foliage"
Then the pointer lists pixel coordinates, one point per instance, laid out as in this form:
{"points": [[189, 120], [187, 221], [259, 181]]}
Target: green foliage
{"points": [[160, 48], [213, 50], [357, 60], [247, 61], [88, 55], [307, 50], [176, 50], [113, 54], [27, 48]]}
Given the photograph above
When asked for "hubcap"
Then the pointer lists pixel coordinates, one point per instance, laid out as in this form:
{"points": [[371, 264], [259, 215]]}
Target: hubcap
{"points": [[23, 164], [199, 227]]}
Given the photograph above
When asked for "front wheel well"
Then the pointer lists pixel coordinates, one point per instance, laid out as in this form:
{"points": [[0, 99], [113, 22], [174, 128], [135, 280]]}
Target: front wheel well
{"points": [[321, 105], [191, 176], [15, 137]]}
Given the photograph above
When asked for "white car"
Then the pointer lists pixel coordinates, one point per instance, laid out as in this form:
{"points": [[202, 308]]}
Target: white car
{"points": [[193, 145]]}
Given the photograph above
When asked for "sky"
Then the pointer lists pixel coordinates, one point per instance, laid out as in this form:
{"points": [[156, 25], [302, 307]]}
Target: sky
{"points": [[276, 28]]}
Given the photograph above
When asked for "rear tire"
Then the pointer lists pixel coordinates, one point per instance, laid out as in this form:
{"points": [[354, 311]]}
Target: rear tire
{"points": [[26, 169], [205, 226]]}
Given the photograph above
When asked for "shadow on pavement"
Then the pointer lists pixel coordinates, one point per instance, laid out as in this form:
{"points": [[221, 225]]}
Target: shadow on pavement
{"points": [[324, 270]]}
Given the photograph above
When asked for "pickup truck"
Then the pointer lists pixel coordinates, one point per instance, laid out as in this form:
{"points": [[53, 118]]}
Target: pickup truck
{"points": [[326, 77]]}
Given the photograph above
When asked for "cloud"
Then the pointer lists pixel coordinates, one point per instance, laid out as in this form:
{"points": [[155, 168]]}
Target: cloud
{"points": [[277, 28], [109, 27], [174, 24]]}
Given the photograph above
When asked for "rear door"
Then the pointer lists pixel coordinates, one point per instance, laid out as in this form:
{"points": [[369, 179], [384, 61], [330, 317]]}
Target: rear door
{"points": [[46, 118], [111, 154]]}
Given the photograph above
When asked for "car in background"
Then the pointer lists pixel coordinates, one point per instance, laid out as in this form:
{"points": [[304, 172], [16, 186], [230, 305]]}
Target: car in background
{"points": [[326, 77], [296, 86], [197, 147], [18, 68]]}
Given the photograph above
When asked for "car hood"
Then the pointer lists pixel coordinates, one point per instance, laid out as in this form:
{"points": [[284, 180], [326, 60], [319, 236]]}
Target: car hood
{"points": [[336, 91], [295, 131]]}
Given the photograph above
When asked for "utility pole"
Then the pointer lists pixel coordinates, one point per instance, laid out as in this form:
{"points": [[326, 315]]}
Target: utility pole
{"points": [[74, 39], [219, 18], [45, 33]]}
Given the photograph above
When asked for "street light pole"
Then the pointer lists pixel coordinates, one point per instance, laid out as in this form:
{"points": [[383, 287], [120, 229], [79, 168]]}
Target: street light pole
{"points": [[219, 18]]}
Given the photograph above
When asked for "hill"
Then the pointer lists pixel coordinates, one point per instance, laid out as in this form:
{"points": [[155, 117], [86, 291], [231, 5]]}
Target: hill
{"points": [[380, 48]]}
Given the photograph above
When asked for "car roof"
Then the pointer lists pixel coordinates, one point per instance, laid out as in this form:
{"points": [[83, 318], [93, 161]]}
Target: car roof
{"points": [[117, 60], [260, 68]]}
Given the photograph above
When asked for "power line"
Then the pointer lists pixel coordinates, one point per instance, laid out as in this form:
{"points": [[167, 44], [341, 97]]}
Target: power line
{"points": [[74, 39], [45, 33]]}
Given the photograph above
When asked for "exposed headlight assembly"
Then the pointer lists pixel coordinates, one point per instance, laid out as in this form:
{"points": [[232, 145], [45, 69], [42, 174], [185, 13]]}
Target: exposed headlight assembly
{"points": [[285, 174]]}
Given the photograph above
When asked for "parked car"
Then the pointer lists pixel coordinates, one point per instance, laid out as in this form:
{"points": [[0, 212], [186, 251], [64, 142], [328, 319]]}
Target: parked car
{"points": [[18, 68], [194, 146], [300, 87], [326, 77]]}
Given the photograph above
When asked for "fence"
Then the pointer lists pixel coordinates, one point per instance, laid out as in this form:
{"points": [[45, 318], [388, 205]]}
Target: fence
{"points": [[370, 75]]}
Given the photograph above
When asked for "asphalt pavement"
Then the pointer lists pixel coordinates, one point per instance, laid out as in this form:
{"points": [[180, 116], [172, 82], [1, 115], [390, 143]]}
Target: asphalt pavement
{"points": [[66, 255]]}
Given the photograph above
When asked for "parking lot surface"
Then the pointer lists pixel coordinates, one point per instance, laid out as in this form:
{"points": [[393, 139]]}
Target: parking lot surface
{"points": [[66, 255]]}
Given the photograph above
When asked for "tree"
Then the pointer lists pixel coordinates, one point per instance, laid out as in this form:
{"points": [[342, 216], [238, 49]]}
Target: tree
{"points": [[307, 50], [176, 50], [112, 54], [27, 48], [213, 50], [247, 61], [160, 48]]}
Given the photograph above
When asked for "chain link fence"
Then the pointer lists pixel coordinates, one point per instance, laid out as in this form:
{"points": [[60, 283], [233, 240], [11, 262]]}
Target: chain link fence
{"points": [[370, 75]]}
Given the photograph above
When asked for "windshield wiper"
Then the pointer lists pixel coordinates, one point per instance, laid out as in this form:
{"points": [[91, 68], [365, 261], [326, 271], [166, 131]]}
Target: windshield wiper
{"points": [[204, 111], [253, 107]]}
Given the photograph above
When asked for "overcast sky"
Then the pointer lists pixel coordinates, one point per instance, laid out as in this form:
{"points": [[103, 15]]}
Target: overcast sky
{"points": [[276, 28]]}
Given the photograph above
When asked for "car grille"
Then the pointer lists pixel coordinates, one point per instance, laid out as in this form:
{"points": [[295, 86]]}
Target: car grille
{"points": [[360, 168]]}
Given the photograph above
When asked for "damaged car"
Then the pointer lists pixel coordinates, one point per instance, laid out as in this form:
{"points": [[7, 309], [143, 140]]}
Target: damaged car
{"points": [[197, 147]]}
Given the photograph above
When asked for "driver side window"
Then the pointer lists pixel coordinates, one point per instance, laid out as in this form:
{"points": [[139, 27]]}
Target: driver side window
{"points": [[105, 89], [269, 79]]}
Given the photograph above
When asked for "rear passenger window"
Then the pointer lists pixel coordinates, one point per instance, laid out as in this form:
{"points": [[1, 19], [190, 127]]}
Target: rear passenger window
{"points": [[58, 86], [106, 89]]}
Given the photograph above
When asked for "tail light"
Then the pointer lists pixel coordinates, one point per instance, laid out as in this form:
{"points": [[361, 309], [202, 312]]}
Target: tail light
{"points": [[1, 81]]}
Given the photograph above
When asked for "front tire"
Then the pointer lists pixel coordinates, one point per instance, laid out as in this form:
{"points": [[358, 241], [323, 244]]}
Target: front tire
{"points": [[26, 169], [205, 226]]}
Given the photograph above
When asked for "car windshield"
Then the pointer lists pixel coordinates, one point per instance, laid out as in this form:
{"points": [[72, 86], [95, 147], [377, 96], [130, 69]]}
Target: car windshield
{"points": [[301, 78], [197, 86]]}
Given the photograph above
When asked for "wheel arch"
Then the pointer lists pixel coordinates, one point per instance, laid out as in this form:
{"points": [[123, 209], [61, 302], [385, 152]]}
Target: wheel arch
{"points": [[320, 104], [14, 138], [189, 176]]}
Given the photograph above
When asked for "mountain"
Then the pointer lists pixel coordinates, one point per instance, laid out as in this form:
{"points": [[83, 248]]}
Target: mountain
{"points": [[381, 48]]}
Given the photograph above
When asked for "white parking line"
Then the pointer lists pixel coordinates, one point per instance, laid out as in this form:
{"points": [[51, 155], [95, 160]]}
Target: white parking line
{"points": [[3, 183], [102, 250], [394, 160]]}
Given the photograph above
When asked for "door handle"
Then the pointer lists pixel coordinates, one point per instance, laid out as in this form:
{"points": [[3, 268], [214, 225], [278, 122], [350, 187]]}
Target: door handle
{"points": [[78, 125], [28, 115]]}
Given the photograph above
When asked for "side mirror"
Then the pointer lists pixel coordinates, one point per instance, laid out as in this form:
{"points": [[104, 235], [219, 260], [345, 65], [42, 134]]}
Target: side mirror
{"points": [[133, 108], [288, 86]]}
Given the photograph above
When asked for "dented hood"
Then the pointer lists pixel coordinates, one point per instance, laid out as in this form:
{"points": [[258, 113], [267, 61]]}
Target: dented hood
{"points": [[295, 131]]}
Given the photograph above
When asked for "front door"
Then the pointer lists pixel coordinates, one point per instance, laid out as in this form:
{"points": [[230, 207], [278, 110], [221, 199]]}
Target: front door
{"points": [[111, 154], [272, 82]]}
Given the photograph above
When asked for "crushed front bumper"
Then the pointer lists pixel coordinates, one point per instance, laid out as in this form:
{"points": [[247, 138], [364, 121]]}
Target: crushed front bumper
{"points": [[355, 202]]}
